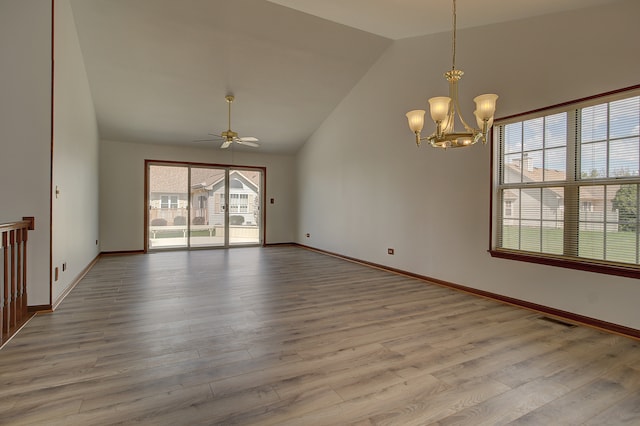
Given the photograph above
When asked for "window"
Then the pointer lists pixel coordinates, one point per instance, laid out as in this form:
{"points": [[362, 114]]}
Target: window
{"points": [[238, 203], [198, 205], [169, 202], [508, 207], [567, 182], [219, 203], [586, 206]]}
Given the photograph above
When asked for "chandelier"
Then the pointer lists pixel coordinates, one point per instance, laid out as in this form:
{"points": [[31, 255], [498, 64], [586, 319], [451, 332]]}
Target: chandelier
{"points": [[444, 110]]}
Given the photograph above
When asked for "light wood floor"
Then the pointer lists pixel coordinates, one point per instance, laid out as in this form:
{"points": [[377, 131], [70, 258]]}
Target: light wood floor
{"points": [[284, 335]]}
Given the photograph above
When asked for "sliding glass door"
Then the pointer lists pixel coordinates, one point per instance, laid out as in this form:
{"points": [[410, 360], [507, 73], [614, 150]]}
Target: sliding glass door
{"points": [[168, 204], [199, 206], [245, 206], [208, 192]]}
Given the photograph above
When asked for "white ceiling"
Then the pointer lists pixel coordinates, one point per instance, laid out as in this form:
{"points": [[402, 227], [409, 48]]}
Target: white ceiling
{"points": [[396, 19], [159, 69]]}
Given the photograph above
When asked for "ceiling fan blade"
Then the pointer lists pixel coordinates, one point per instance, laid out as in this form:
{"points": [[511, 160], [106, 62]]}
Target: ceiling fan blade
{"points": [[229, 136], [247, 143], [214, 138]]}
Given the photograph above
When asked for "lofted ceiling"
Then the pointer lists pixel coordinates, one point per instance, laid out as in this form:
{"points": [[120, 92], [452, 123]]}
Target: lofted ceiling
{"points": [[159, 69]]}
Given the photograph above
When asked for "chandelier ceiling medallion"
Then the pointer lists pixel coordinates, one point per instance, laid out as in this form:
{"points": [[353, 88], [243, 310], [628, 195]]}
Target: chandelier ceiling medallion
{"points": [[444, 110]]}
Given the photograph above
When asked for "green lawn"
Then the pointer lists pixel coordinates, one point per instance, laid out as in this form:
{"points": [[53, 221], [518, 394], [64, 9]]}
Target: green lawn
{"points": [[619, 247]]}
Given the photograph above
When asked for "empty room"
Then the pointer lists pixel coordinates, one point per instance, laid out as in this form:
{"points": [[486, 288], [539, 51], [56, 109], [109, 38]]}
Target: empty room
{"points": [[279, 212]]}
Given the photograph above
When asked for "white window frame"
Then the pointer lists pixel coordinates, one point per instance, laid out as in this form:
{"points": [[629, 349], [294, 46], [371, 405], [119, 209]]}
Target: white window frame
{"points": [[571, 185], [238, 203], [170, 204], [508, 208], [586, 206]]}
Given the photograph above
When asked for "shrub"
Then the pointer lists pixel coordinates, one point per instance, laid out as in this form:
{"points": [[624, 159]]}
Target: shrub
{"points": [[198, 220], [158, 221], [236, 220], [179, 220]]}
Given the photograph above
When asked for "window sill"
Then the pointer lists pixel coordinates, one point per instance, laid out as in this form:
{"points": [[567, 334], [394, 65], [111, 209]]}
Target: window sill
{"points": [[579, 264]]}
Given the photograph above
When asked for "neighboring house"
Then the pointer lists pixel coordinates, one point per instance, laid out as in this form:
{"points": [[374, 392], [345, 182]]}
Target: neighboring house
{"points": [[545, 206], [168, 199], [244, 203]]}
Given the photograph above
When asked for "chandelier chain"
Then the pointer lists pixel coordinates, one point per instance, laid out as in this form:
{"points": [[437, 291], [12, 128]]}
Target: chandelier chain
{"points": [[446, 109], [454, 35]]}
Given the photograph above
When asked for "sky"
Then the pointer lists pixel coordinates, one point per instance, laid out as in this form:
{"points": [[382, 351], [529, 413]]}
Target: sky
{"points": [[609, 140]]}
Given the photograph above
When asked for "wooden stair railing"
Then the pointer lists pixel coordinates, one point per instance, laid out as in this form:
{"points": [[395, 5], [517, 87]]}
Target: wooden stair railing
{"points": [[13, 278]]}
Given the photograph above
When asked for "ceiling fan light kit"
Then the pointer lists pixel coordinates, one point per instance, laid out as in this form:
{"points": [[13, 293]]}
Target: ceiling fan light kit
{"points": [[444, 110]]}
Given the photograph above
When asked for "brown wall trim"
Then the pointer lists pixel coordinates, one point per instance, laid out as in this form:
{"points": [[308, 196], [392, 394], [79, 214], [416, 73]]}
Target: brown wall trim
{"points": [[575, 101], [75, 282], [546, 310], [24, 322], [280, 244], [51, 141], [263, 190], [121, 252], [40, 309], [145, 209]]}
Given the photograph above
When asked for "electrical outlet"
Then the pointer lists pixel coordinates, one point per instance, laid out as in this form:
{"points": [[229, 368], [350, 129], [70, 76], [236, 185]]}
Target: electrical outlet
{"points": [[391, 251], [64, 266], [308, 235]]}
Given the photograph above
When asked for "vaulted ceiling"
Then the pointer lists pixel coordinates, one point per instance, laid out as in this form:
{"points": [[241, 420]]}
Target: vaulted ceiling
{"points": [[159, 69]]}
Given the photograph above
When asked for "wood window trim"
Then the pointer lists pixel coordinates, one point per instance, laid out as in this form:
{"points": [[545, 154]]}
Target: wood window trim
{"points": [[150, 162], [579, 264], [582, 264]]}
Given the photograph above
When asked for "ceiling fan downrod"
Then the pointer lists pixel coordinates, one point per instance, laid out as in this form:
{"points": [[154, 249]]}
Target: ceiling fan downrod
{"points": [[229, 134]]}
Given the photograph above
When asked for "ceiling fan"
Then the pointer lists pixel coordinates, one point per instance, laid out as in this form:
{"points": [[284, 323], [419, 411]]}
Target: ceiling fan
{"points": [[230, 136]]}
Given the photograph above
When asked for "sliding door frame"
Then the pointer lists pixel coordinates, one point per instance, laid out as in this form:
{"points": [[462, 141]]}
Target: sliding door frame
{"points": [[227, 167]]}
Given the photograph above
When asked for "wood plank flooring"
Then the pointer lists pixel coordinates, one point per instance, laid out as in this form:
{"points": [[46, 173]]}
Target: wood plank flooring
{"points": [[288, 336]]}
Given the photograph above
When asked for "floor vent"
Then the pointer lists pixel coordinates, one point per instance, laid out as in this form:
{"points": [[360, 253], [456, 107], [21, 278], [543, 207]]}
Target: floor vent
{"points": [[557, 321]]}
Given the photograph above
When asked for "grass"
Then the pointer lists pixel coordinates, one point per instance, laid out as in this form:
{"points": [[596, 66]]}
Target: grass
{"points": [[614, 246]]}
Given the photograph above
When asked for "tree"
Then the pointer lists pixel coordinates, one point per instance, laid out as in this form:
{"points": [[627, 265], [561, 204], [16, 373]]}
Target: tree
{"points": [[626, 201], [594, 173], [256, 210]]}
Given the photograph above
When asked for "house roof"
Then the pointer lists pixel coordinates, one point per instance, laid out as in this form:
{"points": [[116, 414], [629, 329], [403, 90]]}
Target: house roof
{"points": [[174, 179], [536, 174], [248, 177], [168, 179]]}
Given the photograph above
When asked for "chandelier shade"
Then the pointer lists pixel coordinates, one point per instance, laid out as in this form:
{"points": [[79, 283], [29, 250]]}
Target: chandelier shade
{"points": [[439, 108], [445, 109], [485, 106], [416, 119]]}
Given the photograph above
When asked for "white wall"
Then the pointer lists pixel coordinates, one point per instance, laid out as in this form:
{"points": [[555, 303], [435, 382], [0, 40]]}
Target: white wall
{"points": [[122, 189], [25, 130], [364, 186], [75, 157]]}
